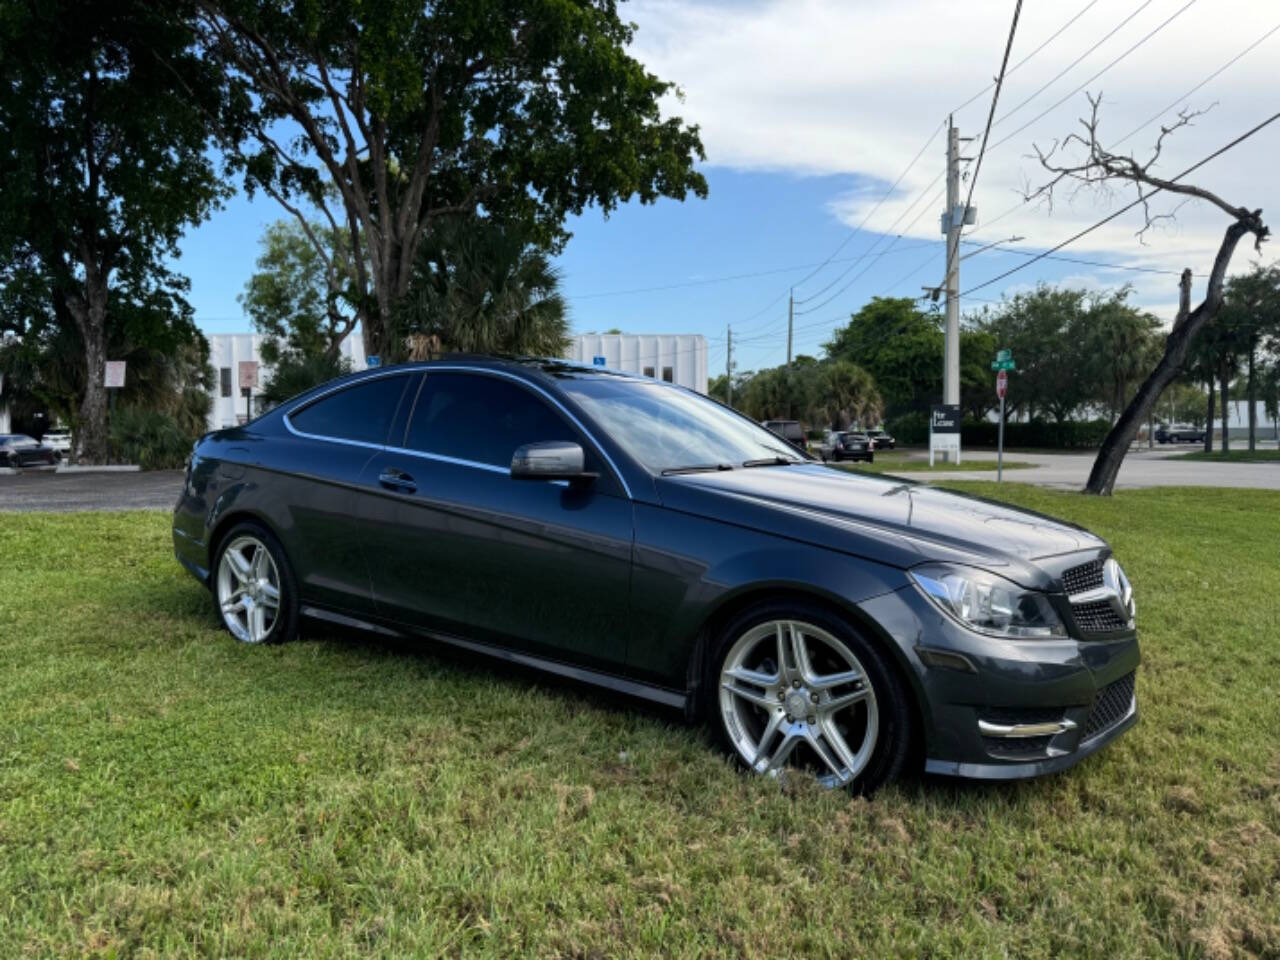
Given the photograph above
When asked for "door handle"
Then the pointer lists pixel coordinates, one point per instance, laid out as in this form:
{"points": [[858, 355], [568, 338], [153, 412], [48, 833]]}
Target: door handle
{"points": [[394, 479]]}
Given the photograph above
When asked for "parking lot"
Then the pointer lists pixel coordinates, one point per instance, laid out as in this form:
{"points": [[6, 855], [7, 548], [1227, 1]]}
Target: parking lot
{"points": [[69, 492], [1161, 467]]}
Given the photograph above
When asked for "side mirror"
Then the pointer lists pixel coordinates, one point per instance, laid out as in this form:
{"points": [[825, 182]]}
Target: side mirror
{"points": [[553, 460]]}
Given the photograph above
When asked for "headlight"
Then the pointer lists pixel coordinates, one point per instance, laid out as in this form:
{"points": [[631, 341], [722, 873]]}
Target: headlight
{"points": [[989, 604]]}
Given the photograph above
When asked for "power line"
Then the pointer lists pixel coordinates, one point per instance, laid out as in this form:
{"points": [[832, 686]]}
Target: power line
{"points": [[701, 282], [885, 196], [866, 253], [1177, 13], [1128, 206], [1156, 116], [1076, 62], [995, 98], [1052, 37], [1090, 263], [892, 243], [1229, 63]]}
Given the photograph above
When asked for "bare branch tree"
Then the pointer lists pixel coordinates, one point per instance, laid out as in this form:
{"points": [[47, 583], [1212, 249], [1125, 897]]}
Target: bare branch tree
{"points": [[1101, 169]]}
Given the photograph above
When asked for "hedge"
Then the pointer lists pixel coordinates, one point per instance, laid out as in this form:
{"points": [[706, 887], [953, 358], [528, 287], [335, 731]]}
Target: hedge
{"points": [[912, 429]]}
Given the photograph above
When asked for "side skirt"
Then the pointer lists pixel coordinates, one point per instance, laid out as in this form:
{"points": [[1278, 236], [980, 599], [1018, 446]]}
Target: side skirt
{"points": [[634, 688]]}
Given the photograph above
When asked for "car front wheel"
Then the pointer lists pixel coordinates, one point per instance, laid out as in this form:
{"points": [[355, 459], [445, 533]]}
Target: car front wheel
{"points": [[798, 689], [254, 587]]}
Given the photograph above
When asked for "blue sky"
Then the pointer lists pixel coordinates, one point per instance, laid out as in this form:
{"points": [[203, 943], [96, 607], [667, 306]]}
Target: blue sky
{"points": [[809, 109]]}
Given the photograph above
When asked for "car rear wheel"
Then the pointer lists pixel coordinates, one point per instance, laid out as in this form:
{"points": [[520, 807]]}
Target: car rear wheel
{"points": [[798, 689], [254, 587]]}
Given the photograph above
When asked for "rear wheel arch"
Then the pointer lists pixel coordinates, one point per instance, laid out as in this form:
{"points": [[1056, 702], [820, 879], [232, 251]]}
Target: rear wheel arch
{"points": [[229, 521]]}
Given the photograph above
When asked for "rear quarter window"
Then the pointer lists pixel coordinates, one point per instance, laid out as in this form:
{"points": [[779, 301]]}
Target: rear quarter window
{"points": [[362, 412]]}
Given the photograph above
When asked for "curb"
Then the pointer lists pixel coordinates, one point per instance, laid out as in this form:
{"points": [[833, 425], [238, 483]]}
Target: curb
{"points": [[104, 468]]}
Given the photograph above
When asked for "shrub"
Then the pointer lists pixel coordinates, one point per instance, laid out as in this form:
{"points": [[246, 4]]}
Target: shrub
{"points": [[910, 429], [151, 439], [1069, 435]]}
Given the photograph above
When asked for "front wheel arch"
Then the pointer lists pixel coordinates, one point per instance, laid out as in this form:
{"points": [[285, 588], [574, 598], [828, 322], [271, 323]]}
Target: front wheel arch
{"points": [[701, 694]]}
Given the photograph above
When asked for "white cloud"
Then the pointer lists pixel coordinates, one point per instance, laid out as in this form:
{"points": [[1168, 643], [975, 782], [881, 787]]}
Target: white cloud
{"points": [[855, 86]]}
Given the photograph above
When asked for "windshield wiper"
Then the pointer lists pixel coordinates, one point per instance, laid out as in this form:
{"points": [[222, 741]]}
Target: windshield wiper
{"points": [[769, 462], [698, 468]]}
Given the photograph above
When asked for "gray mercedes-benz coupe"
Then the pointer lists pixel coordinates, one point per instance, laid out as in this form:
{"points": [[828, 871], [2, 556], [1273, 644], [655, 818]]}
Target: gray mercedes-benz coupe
{"points": [[641, 537]]}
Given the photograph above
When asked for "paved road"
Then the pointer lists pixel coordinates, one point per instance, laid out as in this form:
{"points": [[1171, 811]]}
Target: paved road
{"points": [[1141, 468], [41, 490]]}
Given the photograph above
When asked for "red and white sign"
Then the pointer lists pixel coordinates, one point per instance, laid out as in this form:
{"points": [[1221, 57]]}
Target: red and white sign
{"points": [[1002, 383], [248, 374], [113, 377]]}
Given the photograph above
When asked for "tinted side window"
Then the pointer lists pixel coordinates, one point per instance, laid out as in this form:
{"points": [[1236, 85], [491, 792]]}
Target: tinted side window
{"points": [[363, 412], [479, 418]]}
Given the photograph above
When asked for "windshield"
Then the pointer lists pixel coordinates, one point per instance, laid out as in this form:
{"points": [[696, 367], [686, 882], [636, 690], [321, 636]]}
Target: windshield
{"points": [[668, 429]]}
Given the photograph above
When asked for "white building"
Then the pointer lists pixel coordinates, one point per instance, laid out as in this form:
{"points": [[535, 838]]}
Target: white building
{"points": [[675, 358], [227, 351]]}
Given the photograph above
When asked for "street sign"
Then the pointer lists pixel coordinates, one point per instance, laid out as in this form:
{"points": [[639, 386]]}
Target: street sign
{"points": [[373, 361], [248, 374], [1004, 354], [113, 377], [598, 361], [1002, 384], [1003, 365]]}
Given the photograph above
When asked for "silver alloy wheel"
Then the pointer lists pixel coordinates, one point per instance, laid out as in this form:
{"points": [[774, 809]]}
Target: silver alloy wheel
{"points": [[773, 699], [248, 589]]}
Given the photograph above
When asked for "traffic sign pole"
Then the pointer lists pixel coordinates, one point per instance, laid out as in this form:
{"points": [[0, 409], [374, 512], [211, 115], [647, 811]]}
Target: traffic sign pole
{"points": [[1000, 446], [1003, 364]]}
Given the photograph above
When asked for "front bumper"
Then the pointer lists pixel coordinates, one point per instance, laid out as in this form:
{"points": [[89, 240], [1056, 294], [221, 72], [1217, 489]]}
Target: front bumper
{"points": [[970, 686]]}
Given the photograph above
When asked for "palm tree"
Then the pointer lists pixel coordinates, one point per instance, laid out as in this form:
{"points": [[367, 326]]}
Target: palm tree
{"points": [[480, 287], [846, 393]]}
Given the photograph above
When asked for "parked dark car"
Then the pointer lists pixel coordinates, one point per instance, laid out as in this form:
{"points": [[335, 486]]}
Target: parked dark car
{"points": [[1179, 433], [19, 450], [850, 445], [791, 431], [883, 440], [641, 537]]}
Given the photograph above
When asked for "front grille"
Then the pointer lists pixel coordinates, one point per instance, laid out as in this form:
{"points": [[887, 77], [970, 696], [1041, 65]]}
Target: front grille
{"points": [[1087, 576], [1020, 747], [1112, 706], [1097, 616]]}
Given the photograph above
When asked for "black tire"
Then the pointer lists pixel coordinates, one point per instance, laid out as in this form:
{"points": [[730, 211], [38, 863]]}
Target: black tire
{"points": [[893, 704], [284, 628]]}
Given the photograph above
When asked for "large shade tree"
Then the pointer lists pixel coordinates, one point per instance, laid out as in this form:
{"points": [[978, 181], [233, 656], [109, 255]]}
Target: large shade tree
{"points": [[103, 162], [409, 112]]}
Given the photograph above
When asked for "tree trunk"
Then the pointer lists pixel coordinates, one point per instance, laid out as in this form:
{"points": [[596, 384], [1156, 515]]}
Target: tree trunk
{"points": [[1186, 325], [1253, 398], [91, 318], [1224, 379], [1209, 414]]}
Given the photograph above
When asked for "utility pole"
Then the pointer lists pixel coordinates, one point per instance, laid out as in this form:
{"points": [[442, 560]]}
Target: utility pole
{"points": [[791, 306], [952, 226], [953, 222], [728, 365]]}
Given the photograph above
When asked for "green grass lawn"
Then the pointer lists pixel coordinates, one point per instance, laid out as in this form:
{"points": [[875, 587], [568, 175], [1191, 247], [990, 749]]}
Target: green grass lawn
{"points": [[901, 461], [1231, 456], [165, 791]]}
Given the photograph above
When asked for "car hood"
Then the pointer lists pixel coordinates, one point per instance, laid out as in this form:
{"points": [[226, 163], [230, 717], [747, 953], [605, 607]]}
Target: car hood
{"points": [[887, 519]]}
